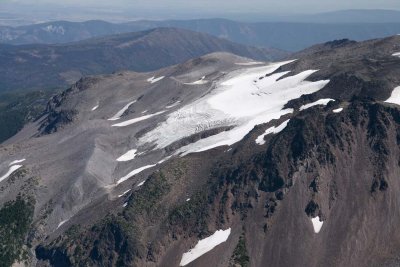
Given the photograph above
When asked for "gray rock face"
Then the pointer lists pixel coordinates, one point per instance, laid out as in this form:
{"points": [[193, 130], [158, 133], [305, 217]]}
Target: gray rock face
{"points": [[132, 178]]}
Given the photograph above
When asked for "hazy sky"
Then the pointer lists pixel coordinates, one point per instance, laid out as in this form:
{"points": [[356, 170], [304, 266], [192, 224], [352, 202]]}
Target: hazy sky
{"points": [[281, 6], [15, 12]]}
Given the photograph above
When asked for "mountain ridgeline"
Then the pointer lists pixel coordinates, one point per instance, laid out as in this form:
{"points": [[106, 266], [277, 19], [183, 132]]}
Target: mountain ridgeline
{"points": [[57, 66], [217, 161]]}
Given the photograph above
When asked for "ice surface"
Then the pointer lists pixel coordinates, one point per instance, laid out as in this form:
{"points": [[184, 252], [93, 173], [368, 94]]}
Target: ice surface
{"points": [[135, 120], [244, 99], [323, 102], [134, 172], [260, 139], [154, 80], [205, 245], [118, 115], [317, 224], [12, 169], [338, 110], [16, 161], [395, 96], [130, 155]]}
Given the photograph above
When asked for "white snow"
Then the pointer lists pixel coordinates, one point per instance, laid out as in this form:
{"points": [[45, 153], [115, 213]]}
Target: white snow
{"points": [[130, 155], [251, 63], [317, 224], [125, 204], [54, 29], [395, 96], [154, 79], [241, 100], [338, 110], [118, 115], [61, 223], [173, 105], [396, 54], [260, 139], [134, 172], [205, 245], [135, 120], [16, 161], [95, 107], [124, 193], [141, 183], [200, 81], [322, 102], [10, 171], [187, 199], [144, 111]]}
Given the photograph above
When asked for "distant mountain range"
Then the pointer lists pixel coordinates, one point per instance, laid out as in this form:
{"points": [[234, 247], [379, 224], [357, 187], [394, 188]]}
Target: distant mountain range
{"points": [[41, 66], [291, 34]]}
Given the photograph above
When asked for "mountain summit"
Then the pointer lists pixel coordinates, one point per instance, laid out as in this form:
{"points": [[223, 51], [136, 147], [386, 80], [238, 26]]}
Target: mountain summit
{"points": [[218, 161]]}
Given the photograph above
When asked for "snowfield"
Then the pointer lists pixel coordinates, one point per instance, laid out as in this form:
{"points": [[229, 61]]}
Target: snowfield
{"points": [[274, 130], [246, 98], [317, 224], [395, 96], [154, 79], [321, 102], [118, 115], [130, 155], [251, 63], [205, 245], [12, 169]]}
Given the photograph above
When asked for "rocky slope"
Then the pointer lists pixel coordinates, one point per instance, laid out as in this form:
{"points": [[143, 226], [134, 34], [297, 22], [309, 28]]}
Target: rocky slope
{"points": [[219, 161]]}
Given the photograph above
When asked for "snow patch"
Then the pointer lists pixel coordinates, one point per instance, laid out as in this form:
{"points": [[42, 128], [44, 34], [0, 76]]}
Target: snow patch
{"points": [[395, 96], [132, 121], [205, 245], [317, 224], [54, 29], [141, 183], [251, 63], [338, 110], [16, 161], [187, 199], [130, 155], [125, 204], [134, 172], [260, 139], [198, 82], [118, 115], [144, 111], [323, 102], [95, 107], [154, 79], [396, 54], [10, 171], [124, 193], [61, 223], [173, 105]]}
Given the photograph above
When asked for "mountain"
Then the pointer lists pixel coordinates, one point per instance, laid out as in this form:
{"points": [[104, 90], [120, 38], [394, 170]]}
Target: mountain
{"points": [[218, 161], [289, 33], [57, 66]]}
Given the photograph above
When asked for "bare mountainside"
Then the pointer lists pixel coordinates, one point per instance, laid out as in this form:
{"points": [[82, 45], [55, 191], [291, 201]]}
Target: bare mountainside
{"points": [[57, 66], [219, 161]]}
